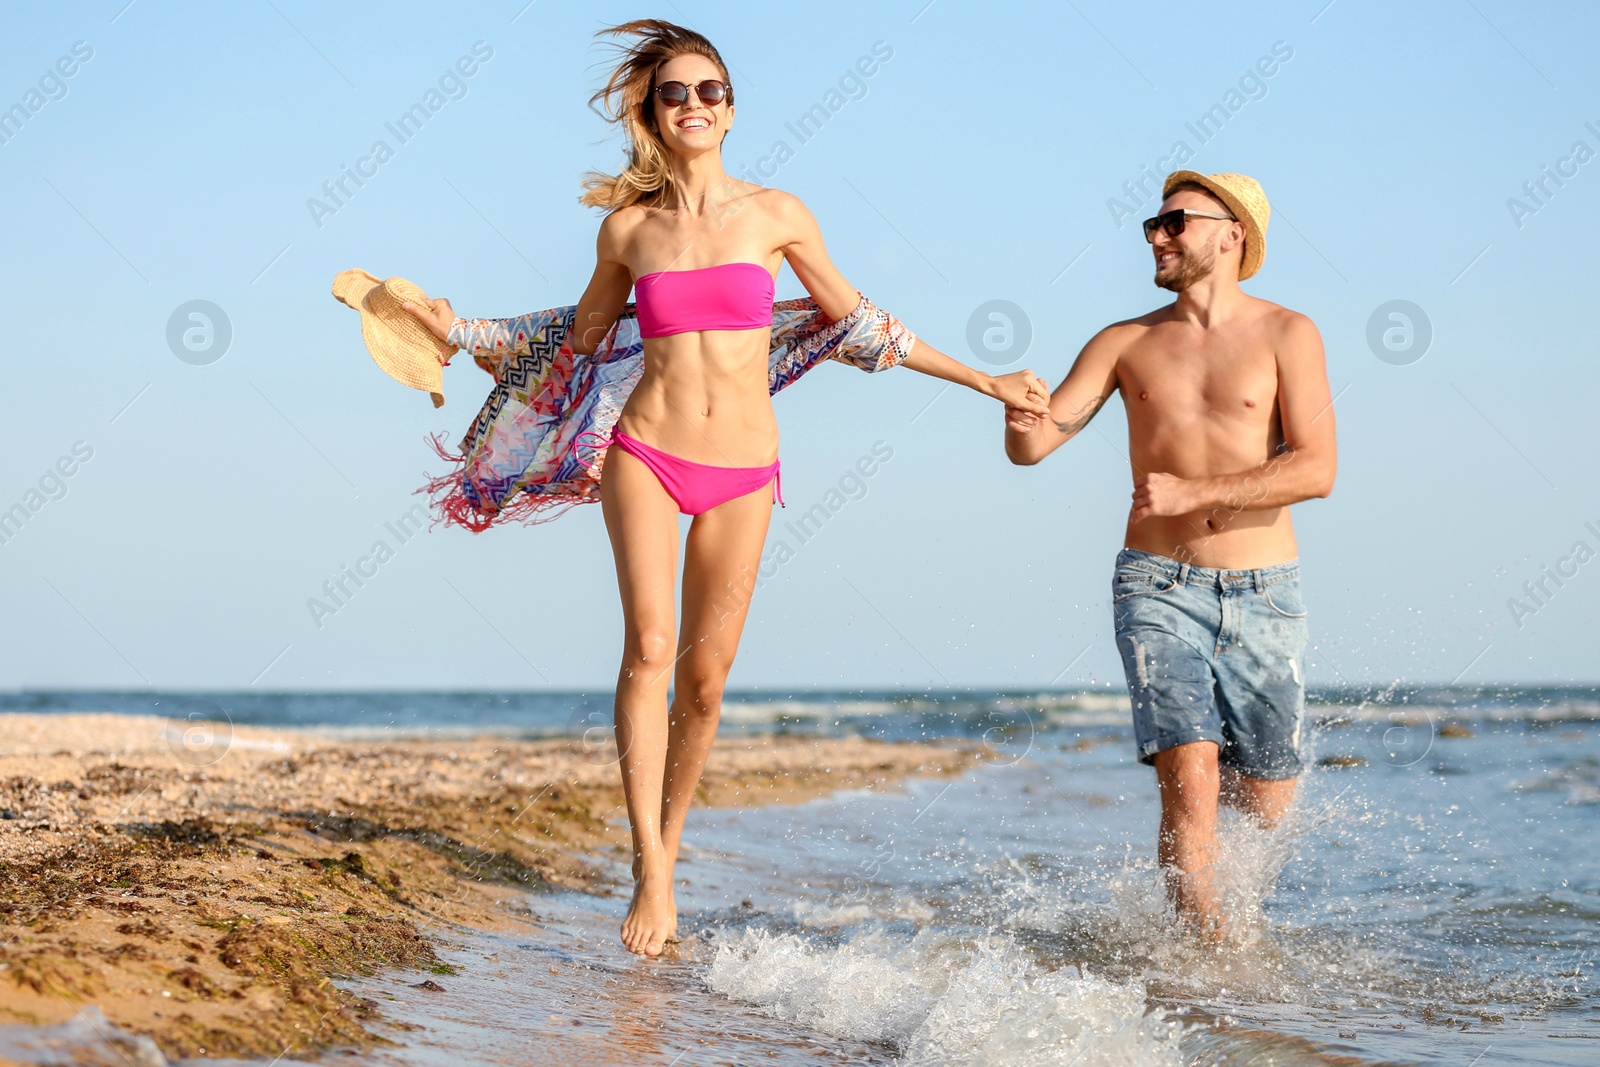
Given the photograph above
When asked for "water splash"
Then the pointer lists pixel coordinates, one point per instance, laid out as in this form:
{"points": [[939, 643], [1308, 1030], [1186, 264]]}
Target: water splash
{"points": [[939, 999]]}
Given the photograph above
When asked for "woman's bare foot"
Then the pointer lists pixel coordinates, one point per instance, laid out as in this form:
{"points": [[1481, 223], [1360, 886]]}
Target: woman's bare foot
{"points": [[652, 918], [672, 868]]}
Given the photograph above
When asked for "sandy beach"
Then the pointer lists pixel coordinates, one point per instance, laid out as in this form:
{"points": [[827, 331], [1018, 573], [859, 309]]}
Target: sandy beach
{"points": [[204, 885]]}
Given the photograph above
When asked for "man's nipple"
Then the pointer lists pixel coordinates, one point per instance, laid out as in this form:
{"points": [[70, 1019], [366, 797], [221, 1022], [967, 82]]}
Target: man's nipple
{"points": [[1144, 394], [1249, 403]]}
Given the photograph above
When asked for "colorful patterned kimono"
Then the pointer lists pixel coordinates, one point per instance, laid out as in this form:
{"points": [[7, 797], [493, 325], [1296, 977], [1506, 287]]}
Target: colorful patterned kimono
{"points": [[517, 461]]}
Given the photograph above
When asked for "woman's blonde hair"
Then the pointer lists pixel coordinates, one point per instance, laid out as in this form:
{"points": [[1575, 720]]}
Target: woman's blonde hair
{"points": [[627, 99]]}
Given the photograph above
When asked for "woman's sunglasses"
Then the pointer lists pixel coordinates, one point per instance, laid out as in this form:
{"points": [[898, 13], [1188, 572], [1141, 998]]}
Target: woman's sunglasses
{"points": [[1172, 222], [711, 92]]}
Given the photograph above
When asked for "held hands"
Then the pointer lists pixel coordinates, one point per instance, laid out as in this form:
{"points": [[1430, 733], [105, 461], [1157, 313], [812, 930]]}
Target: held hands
{"points": [[1021, 391], [1026, 418], [1162, 494], [437, 316]]}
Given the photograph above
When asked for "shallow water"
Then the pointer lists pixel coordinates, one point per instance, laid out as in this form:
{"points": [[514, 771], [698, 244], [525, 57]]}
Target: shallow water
{"points": [[1431, 913], [1436, 899]]}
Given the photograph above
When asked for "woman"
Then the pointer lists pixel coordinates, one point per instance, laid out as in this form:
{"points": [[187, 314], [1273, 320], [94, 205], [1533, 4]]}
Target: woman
{"points": [[697, 433]]}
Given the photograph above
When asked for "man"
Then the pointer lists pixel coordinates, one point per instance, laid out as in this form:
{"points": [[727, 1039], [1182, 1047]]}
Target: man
{"points": [[1229, 422]]}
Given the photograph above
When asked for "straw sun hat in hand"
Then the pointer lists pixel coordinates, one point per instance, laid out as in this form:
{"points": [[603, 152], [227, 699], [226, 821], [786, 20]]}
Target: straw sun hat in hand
{"points": [[402, 346]]}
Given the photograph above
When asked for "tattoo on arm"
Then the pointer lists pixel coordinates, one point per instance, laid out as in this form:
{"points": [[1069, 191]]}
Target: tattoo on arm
{"points": [[1080, 418]]}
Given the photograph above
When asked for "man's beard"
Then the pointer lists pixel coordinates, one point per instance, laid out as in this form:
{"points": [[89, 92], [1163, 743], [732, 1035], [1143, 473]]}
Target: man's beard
{"points": [[1190, 268]]}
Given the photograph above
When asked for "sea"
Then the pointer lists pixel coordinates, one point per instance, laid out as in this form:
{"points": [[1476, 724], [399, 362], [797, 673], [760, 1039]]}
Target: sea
{"points": [[1434, 898]]}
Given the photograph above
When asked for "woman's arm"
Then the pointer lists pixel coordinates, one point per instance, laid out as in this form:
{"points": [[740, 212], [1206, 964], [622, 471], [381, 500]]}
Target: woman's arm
{"points": [[607, 292], [1019, 389], [802, 246]]}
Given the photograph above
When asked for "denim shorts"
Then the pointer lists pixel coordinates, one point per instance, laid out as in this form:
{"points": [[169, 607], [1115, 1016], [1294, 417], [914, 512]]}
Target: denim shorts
{"points": [[1213, 655]]}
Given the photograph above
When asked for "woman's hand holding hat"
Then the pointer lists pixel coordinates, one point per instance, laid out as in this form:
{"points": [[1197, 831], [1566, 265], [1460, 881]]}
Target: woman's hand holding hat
{"points": [[437, 316], [406, 334]]}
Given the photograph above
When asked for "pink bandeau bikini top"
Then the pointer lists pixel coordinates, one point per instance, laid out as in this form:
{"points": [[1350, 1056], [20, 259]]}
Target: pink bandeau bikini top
{"points": [[730, 296]]}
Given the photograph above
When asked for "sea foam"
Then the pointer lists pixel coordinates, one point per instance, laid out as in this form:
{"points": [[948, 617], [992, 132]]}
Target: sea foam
{"points": [[939, 999]]}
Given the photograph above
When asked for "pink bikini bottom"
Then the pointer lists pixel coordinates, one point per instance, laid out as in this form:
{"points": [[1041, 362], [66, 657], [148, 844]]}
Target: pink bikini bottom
{"points": [[694, 487]]}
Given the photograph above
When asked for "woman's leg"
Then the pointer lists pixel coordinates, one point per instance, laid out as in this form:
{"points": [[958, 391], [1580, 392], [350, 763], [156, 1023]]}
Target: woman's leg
{"points": [[719, 575], [642, 521]]}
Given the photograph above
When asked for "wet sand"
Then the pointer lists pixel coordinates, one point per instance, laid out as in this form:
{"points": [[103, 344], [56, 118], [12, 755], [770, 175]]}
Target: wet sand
{"points": [[204, 885]]}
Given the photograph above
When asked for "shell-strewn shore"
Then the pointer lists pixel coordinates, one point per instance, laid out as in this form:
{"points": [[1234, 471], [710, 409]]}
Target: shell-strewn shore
{"points": [[205, 886]]}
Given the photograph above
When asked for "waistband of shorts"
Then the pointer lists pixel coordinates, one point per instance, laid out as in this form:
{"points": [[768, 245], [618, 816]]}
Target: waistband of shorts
{"points": [[1185, 574]]}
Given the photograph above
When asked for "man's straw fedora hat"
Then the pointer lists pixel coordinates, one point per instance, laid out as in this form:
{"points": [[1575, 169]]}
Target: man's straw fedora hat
{"points": [[1245, 200], [401, 346]]}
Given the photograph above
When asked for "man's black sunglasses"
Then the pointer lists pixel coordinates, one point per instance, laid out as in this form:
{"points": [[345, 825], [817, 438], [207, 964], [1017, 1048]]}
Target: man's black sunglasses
{"points": [[1173, 221]]}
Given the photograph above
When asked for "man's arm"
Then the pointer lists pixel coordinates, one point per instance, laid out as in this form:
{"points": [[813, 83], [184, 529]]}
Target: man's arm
{"points": [[1084, 391], [1303, 468]]}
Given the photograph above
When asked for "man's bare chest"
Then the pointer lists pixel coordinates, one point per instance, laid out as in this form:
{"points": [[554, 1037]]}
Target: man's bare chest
{"points": [[1231, 381]]}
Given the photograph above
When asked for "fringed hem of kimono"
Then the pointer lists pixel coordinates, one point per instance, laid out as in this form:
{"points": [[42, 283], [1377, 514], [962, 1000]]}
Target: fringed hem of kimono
{"points": [[516, 463]]}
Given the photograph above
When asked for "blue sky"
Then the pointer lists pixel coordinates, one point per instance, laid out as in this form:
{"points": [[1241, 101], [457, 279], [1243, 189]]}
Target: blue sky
{"points": [[979, 162]]}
